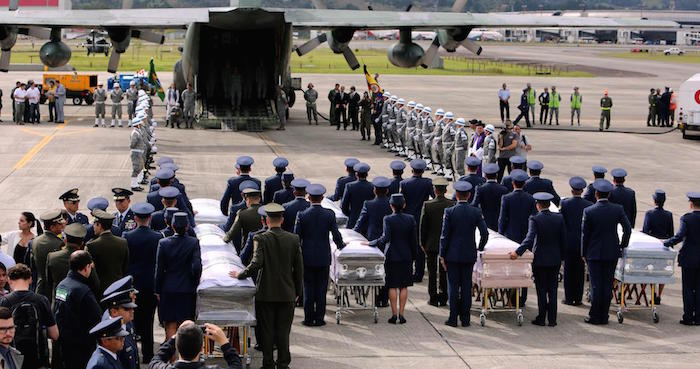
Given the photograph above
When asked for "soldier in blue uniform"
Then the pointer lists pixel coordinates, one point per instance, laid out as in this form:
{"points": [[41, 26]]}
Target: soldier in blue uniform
{"points": [[76, 311], [177, 184], [689, 259], [274, 183], [474, 179], [429, 236], [399, 240], [417, 190], [119, 303], [624, 196], [546, 238], [397, 168], [293, 207], [235, 208], [601, 247], [537, 184], [170, 197], [71, 202], [342, 181], [313, 225], [232, 194], [356, 193], [286, 194], [574, 268], [123, 217], [110, 336], [93, 204], [143, 246], [658, 222], [458, 251], [160, 162], [488, 196], [165, 178], [598, 173], [516, 162]]}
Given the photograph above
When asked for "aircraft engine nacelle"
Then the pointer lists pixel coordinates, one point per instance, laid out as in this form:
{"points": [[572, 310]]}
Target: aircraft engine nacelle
{"points": [[451, 39], [54, 54], [120, 37], [8, 37], [405, 54], [339, 38]]}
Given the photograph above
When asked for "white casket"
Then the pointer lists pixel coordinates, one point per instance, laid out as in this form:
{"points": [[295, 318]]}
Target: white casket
{"points": [[207, 211]]}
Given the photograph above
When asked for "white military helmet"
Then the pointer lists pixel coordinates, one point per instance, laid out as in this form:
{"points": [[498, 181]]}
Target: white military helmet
{"points": [[419, 106], [450, 115], [394, 97], [440, 112], [461, 121], [490, 128], [386, 93], [411, 104], [142, 93], [132, 83], [427, 110], [136, 121], [401, 102]]}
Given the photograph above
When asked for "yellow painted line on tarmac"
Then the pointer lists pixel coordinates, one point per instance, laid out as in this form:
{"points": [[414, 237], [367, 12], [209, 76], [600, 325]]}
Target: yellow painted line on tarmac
{"points": [[32, 132], [76, 131], [37, 148]]}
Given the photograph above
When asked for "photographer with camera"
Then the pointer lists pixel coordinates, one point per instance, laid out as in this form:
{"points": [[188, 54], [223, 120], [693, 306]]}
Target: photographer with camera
{"points": [[507, 146], [188, 341]]}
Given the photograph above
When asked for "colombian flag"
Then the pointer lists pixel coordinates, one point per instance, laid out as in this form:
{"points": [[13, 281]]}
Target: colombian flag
{"points": [[154, 81], [372, 83]]}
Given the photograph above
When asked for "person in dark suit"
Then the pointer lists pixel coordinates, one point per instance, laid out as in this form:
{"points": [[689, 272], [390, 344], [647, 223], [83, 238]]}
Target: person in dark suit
{"points": [[341, 101], [274, 183], [71, 202], [458, 251], [598, 173], [658, 222], [546, 238], [342, 181], [286, 194], [472, 164], [123, 217], [119, 303], [516, 162], [356, 193], [247, 220], [430, 227], [231, 195], [487, 197], [110, 337], [397, 168], [57, 262], [143, 247], [353, 107], [279, 260], [188, 345], [109, 252], [624, 196], [400, 244], [689, 259], [235, 208], [293, 207], [96, 203], [313, 225], [574, 268], [601, 247], [178, 268], [416, 190], [536, 184]]}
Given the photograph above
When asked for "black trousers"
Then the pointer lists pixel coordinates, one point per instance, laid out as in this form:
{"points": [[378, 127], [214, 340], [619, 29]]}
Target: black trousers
{"points": [[691, 294], [523, 114], [504, 107], [276, 323], [315, 287], [419, 263], [437, 279], [602, 275], [340, 114], [546, 283], [377, 132], [544, 110], [143, 322], [459, 279], [352, 112], [503, 164], [574, 277], [52, 111]]}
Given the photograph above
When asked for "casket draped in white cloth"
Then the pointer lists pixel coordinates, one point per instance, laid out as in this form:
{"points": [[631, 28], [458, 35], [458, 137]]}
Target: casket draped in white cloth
{"points": [[495, 269], [356, 262], [340, 218], [646, 260], [208, 211], [222, 299]]}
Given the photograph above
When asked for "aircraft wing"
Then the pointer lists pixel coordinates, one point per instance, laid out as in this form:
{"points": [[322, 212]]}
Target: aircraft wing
{"points": [[137, 18]]}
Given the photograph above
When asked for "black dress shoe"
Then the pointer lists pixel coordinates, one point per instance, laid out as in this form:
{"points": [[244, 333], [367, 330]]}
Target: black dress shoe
{"points": [[552, 324], [392, 320], [307, 323], [451, 323], [402, 320], [567, 302], [538, 322], [578, 303], [589, 320], [465, 323], [434, 303], [320, 323], [257, 347], [686, 322], [657, 300]]}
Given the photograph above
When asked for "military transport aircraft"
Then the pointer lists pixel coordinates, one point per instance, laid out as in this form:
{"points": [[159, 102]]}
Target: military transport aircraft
{"points": [[255, 43]]}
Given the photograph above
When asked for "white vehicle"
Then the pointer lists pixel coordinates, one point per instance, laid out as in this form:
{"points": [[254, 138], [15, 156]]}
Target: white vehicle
{"points": [[673, 51], [689, 105]]}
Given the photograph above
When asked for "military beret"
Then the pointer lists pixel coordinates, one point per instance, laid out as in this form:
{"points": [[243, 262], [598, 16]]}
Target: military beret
{"points": [[535, 165], [97, 203], [75, 230], [172, 166], [108, 328], [121, 193], [490, 168], [361, 167], [473, 121], [315, 189], [693, 196], [245, 161], [599, 169], [102, 215], [287, 177], [440, 182], [350, 162], [397, 165], [618, 173], [165, 174], [180, 219], [70, 195], [247, 184], [577, 183], [543, 196], [280, 162], [169, 192], [517, 159], [603, 185], [418, 164], [125, 284], [397, 200], [164, 159], [54, 216], [143, 209], [381, 182], [472, 161], [519, 175], [273, 208], [659, 196], [300, 183], [462, 186]]}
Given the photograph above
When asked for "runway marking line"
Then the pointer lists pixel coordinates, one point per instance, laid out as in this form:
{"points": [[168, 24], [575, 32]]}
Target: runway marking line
{"points": [[37, 148]]}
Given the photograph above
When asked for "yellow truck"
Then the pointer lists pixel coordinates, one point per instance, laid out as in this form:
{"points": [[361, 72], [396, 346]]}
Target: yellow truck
{"points": [[79, 87]]}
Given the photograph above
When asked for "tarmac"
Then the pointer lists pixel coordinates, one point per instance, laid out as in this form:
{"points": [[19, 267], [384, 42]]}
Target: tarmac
{"points": [[38, 163]]}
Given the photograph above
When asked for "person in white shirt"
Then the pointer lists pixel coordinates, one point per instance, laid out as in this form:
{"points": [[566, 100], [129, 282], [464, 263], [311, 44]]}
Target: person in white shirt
{"points": [[20, 96], [172, 99], [504, 105], [33, 95]]}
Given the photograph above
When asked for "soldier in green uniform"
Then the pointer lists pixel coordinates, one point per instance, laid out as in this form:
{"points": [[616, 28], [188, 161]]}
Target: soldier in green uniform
{"points": [[247, 220], [57, 262], [653, 101], [48, 242], [278, 254], [331, 98], [605, 106], [110, 253]]}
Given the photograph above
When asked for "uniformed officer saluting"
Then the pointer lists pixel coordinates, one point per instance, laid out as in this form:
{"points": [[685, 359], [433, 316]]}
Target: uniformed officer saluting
{"points": [[342, 181], [356, 193], [546, 238], [574, 268], [119, 303], [232, 194], [110, 337], [430, 228], [110, 252], [71, 202], [77, 311], [689, 259], [601, 247], [278, 254], [274, 183], [458, 251], [44, 244]]}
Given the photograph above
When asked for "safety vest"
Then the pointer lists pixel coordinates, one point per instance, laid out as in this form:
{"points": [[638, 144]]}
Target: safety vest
{"points": [[575, 101], [531, 97], [672, 105], [554, 99]]}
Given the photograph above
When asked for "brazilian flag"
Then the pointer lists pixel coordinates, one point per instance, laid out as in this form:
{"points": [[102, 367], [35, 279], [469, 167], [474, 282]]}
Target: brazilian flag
{"points": [[154, 81]]}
